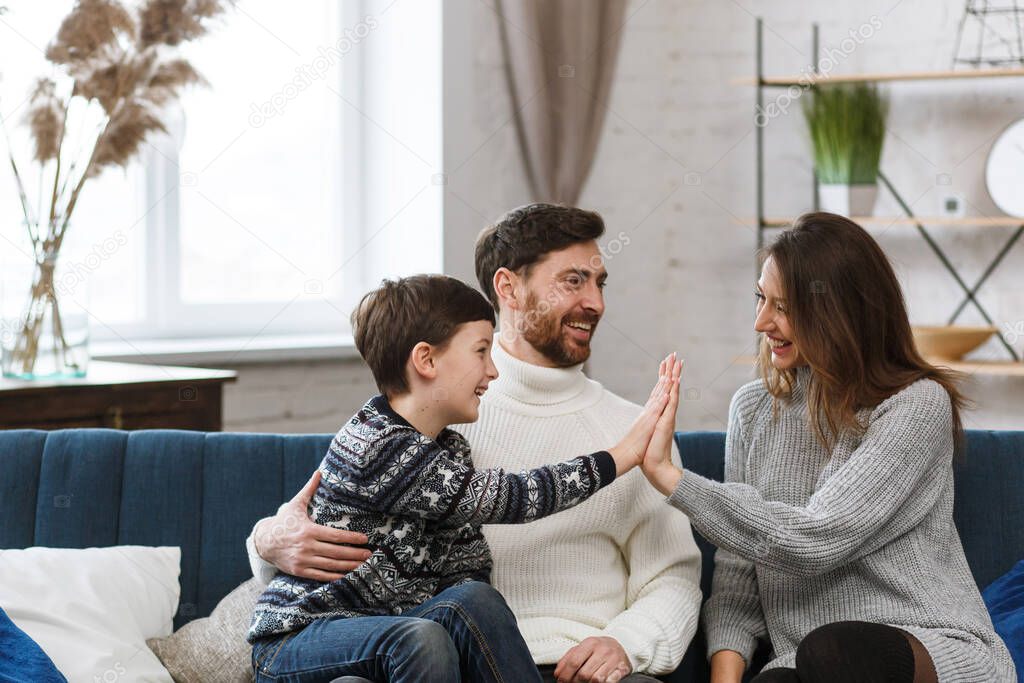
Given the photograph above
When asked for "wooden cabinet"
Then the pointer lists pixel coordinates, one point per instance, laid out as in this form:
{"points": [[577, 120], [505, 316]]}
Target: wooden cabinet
{"points": [[119, 396]]}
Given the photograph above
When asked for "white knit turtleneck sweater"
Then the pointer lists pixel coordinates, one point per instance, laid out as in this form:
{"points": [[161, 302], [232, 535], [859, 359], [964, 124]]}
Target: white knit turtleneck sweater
{"points": [[623, 564]]}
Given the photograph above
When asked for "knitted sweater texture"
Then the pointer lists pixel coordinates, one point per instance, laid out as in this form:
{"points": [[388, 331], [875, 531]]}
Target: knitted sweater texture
{"points": [[421, 503], [623, 564], [807, 537]]}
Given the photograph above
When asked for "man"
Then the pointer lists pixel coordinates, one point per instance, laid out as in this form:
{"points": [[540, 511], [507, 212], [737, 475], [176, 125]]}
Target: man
{"points": [[608, 591]]}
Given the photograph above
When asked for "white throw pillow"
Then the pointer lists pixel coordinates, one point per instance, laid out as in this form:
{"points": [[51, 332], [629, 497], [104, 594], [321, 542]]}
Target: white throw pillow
{"points": [[92, 609]]}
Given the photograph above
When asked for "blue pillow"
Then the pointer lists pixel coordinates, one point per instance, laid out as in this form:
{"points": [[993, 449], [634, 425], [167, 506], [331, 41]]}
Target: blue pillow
{"points": [[21, 658], [1004, 599]]}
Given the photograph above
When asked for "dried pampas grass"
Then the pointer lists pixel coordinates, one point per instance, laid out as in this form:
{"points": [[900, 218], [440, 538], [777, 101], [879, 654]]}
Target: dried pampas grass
{"points": [[123, 135], [110, 83], [91, 32], [171, 22], [125, 62], [45, 117], [167, 78]]}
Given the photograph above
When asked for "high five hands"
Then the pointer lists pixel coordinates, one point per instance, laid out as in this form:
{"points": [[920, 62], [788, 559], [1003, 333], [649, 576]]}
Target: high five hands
{"points": [[648, 444], [657, 464], [649, 440]]}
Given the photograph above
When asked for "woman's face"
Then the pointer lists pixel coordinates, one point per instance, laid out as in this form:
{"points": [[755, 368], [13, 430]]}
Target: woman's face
{"points": [[771, 319]]}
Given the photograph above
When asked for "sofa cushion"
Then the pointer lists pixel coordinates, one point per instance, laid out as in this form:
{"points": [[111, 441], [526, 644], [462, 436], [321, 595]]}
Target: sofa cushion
{"points": [[213, 649], [1004, 599], [91, 610], [21, 658]]}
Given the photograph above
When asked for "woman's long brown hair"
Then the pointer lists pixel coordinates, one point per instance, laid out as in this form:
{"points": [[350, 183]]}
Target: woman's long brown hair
{"points": [[849, 323]]}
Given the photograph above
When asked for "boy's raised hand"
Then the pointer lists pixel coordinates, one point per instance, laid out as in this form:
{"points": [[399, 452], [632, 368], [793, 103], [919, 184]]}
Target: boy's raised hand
{"points": [[657, 464], [629, 452]]}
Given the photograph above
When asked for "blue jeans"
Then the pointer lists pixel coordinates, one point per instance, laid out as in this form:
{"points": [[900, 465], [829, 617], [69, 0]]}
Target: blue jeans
{"points": [[465, 633]]}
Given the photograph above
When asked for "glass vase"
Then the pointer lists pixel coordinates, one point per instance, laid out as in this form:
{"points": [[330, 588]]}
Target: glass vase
{"points": [[45, 325]]}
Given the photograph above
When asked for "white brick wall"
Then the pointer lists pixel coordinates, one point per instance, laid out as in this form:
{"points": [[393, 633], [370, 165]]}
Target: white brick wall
{"points": [[296, 397]]}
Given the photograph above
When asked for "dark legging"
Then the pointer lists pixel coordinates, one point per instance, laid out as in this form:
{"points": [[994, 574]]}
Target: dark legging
{"points": [[856, 652]]}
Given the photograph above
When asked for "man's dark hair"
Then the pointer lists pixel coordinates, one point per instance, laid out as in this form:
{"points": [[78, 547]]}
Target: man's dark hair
{"points": [[392, 319], [523, 236]]}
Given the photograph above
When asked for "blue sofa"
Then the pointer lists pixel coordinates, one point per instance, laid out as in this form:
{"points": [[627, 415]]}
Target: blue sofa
{"points": [[203, 491]]}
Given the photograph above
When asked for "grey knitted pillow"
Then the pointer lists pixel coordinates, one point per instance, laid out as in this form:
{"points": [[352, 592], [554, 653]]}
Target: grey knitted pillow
{"points": [[214, 649]]}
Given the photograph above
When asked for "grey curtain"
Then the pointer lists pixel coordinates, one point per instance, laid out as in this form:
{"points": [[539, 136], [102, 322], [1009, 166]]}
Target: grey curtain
{"points": [[560, 57]]}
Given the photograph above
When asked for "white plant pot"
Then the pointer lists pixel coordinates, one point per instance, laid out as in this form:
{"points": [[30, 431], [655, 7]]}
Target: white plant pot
{"points": [[848, 200]]}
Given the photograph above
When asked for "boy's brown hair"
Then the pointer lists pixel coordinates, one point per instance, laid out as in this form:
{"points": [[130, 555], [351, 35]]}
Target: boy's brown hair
{"points": [[392, 319], [523, 236]]}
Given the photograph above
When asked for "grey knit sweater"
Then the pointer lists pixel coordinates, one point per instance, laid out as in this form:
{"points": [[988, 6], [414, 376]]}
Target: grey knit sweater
{"points": [[865, 534]]}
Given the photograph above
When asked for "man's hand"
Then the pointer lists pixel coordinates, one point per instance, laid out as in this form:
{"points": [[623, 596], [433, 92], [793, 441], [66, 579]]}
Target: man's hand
{"points": [[657, 465], [595, 660], [294, 544], [629, 452]]}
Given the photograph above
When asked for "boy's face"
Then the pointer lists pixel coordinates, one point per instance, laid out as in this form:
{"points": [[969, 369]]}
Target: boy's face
{"points": [[464, 369]]}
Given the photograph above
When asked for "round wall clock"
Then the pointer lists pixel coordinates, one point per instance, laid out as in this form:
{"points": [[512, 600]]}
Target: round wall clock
{"points": [[1004, 172]]}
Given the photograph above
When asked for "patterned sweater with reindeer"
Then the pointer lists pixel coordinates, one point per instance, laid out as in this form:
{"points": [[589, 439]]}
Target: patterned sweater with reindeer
{"points": [[421, 503]]}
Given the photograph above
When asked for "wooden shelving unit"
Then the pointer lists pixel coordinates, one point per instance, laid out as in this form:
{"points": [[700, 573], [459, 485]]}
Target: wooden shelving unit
{"points": [[1004, 368], [882, 77], [935, 221], [812, 79]]}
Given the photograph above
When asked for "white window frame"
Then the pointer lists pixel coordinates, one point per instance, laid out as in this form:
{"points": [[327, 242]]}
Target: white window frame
{"points": [[360, 252], [377, 180], [167, 316]]}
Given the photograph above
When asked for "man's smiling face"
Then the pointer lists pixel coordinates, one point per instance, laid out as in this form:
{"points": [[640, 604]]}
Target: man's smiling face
{"points": [[564, 302]]}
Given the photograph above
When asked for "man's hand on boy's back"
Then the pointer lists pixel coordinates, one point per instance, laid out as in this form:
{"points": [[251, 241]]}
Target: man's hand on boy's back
{"points": [[293, 543]]}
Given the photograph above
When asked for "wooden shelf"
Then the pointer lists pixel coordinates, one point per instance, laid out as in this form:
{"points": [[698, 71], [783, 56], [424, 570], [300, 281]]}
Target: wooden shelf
{"points": [[883, 77], [1003, 368], [966, 221]]}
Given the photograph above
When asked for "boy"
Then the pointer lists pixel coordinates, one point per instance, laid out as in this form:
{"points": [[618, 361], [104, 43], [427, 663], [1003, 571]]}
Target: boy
{"points": [[420, 608]]}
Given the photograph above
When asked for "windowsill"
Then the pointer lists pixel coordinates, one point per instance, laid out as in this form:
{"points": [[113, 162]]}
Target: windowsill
{"points": [[228, 350]]}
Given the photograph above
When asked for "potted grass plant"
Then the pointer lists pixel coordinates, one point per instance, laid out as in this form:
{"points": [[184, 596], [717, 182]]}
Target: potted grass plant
{"points": [[846, 123], [115, 69]]}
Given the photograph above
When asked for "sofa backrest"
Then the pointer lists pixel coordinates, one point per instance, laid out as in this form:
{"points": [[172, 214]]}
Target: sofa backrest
{"points": [[80, 488]]}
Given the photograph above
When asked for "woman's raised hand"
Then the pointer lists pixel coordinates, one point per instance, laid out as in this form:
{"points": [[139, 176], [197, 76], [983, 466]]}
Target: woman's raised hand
{"points": [[657, 465], [630, 450]]}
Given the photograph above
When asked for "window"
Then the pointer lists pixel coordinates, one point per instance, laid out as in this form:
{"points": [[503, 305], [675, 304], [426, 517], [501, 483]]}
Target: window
{"points": [[303, 174]]}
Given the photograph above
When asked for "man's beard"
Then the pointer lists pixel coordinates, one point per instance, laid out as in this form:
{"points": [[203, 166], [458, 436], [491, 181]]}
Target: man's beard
{"points": [[543, 330]]}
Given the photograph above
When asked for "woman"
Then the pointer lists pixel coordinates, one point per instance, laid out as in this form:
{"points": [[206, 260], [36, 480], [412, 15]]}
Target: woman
{"points": [[835, 526]]}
